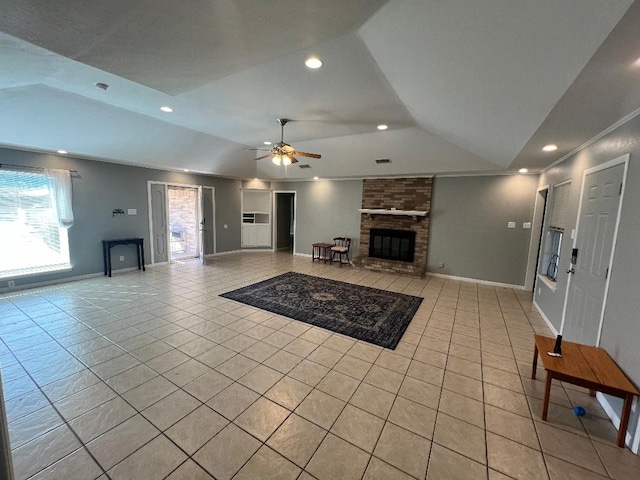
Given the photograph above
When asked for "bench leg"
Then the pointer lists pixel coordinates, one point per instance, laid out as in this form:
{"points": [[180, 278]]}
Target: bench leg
{"points": [[535, 362], [547, 393], [624, 419]]}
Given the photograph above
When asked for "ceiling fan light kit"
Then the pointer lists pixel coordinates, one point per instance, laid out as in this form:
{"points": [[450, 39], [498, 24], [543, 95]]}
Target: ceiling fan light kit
{"points": [[283, 153]]}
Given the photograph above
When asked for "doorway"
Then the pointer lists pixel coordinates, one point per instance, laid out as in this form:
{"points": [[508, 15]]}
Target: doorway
{"points": [[593, 249], [207, 223], [183, 222], [284, 207], [535, 243]]}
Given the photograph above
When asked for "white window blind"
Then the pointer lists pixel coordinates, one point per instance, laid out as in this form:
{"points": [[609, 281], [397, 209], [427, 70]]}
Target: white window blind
{"points": [[560, 206], [31, 239]]}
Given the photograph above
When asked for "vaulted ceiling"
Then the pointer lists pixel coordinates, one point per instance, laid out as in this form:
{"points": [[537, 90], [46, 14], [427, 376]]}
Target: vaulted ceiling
{"points": [[465, 86]]}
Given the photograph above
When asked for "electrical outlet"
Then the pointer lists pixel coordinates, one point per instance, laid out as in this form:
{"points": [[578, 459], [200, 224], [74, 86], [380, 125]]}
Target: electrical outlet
{"points": [[441, 265], [11, 283], [122, 258]]}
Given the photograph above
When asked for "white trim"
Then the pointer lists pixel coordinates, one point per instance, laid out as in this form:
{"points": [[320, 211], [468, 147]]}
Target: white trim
{"points": [[229, 252], [37, 273], [564, 182], [65, 280], [482, 282], [244, 250], [149, 213], [597, 137], [200, 226], [533, 257], [621, 160], [393, 211], [550, 284], [302, 254], [544, 317]]}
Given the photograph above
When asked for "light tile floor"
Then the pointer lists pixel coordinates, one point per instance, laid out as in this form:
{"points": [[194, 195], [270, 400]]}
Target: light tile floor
{"points": [[152, 376]]}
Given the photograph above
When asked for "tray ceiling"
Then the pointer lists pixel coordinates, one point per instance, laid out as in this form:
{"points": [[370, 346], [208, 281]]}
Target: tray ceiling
{"points": [[464, 86]]}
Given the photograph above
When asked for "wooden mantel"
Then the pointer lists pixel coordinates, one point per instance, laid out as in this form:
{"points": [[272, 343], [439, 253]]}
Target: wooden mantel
{"points": [[383, 211]]}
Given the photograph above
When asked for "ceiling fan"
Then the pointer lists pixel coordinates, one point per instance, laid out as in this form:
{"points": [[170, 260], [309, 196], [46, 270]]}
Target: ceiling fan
{"points": [[283, 153]]}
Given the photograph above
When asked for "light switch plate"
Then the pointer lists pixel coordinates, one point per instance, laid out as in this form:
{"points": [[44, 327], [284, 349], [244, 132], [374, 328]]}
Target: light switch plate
{"points": [[132, 211], [511, 225], [526, 225]]}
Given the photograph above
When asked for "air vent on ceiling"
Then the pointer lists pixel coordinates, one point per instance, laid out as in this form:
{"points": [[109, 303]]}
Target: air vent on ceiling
{"points": [[383, 160], [306, 165]]}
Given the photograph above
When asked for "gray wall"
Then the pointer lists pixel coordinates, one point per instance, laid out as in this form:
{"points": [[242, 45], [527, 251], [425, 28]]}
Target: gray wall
{"points": [[101, 187], [325, 209], [621, 326], [469, 234]]}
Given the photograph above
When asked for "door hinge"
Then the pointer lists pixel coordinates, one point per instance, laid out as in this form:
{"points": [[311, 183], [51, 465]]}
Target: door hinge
{"points": [[620, 192], [606, 275]]}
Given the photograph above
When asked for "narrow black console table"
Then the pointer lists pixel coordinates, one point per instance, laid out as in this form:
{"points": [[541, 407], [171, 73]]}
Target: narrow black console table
{"points": [[108, 244]]}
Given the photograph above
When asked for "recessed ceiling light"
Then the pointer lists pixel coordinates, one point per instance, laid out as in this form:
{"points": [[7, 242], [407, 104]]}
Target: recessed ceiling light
{"points": [[550, 148], [267, 143], [255, 179], [101, 86], [313, 63], [62, 152], [523, 170], [186, 169], [382, 126], [166, 109], [316, 178]]}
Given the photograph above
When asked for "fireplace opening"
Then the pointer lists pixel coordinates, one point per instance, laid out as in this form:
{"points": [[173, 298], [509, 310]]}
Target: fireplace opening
{"points": [[392, 244]]}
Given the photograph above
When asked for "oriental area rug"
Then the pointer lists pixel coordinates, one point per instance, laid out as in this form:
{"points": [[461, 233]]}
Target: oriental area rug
{"points": [[369, 314]]}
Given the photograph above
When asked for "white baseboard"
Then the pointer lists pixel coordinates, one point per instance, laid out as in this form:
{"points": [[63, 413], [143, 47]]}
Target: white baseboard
{"points": [[57, 281], [229, 252], [474, 280], [544, 317]]}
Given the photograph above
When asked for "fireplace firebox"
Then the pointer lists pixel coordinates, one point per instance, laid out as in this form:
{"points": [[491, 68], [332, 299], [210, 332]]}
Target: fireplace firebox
{"points": [[392, 244]]}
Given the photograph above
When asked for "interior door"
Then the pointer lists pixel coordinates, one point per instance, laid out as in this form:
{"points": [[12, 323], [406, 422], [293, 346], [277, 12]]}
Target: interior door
{"points": [[159, 229], [597, 224], [207, 222]]}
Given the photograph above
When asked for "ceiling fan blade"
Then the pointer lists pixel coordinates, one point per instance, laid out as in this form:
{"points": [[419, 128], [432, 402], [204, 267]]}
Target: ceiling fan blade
{"points": [[258, 149], [264, 156], [293, 159], [305, 154]]}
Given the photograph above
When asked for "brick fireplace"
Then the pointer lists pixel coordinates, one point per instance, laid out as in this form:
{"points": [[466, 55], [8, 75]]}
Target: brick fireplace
{"points": [[401, 195]]}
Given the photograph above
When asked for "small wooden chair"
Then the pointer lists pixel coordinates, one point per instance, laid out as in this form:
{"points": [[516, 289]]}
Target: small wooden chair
{"points": [[340, 248]]}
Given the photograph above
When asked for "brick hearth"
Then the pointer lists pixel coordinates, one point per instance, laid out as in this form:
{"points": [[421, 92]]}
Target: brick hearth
{"points": [[401, 194]]}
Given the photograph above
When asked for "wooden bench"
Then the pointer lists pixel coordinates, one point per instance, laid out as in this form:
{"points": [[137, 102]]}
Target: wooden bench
{"points": [[586, 366]]}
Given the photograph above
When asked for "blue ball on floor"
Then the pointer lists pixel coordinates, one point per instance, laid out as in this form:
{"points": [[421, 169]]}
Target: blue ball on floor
{"points": [[579, 411]]}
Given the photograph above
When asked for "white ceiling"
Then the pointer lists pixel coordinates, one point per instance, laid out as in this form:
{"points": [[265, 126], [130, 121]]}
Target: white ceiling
{"points": [[465, 86]]}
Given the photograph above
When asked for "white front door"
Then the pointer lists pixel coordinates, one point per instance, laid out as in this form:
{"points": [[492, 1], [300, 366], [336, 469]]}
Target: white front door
{"points": [[597, 223]]}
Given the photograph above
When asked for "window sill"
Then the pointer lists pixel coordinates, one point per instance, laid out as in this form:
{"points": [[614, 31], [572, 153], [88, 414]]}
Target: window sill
{"points": [[548, 282], [5, 277]]}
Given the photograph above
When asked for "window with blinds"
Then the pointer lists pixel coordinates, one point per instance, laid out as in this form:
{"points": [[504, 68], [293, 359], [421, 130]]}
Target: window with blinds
{"points": [[31, 240], [558, 223], [559, 214]]}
